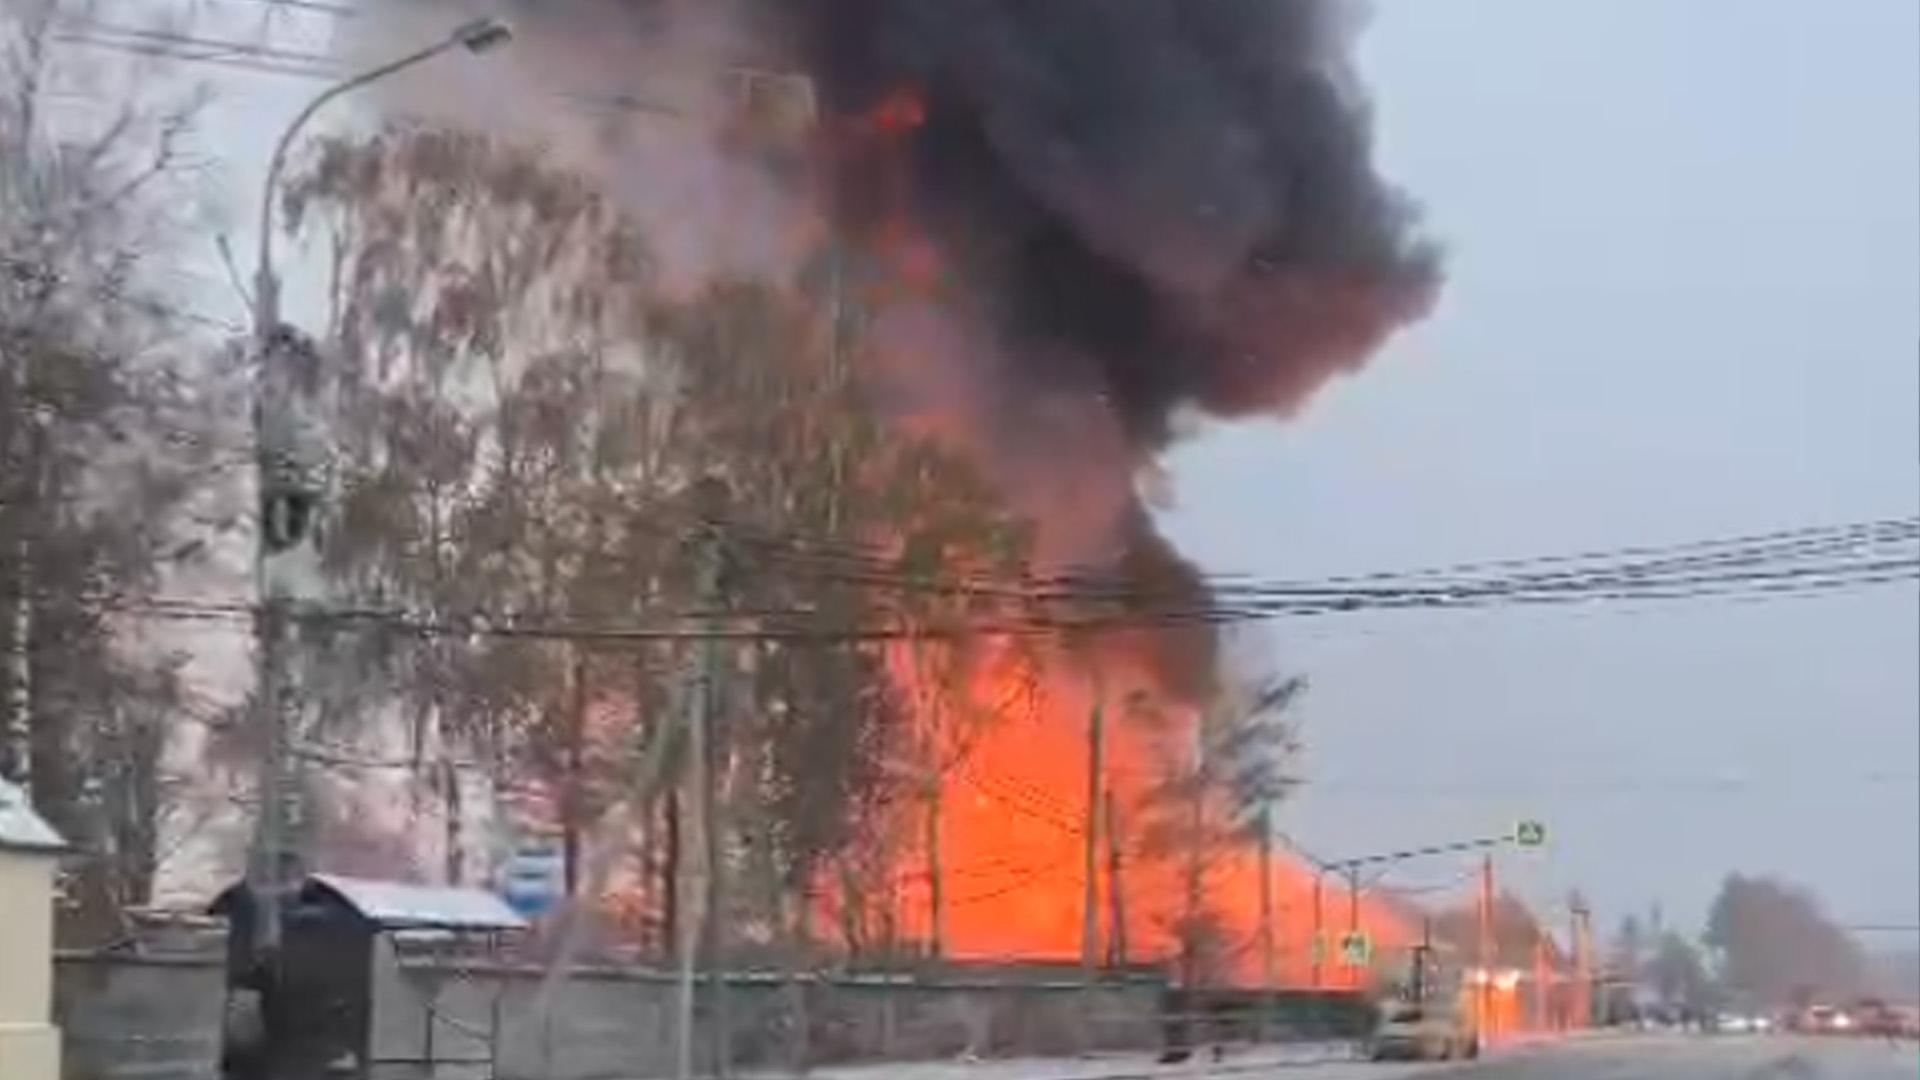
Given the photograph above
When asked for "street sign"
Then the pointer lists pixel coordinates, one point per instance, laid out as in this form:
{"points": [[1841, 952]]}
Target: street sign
{"points": [[534, 878], [1530, 834], [1356, 948]]}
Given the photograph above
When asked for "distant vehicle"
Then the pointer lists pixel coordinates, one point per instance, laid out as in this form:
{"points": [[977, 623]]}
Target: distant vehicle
{"points": [[1909, 1018], [1740, 1021], [1876, 1017], [1422, 1032], [1827, 1020]]}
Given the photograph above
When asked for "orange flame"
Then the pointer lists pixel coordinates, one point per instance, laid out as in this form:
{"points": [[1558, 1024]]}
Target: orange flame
{"points": [[900, 112], [1013, 819]]}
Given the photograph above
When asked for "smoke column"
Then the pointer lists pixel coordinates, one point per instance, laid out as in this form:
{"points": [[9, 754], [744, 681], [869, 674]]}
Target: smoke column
{"points": [[1089, 219], [1071, 227], [1156, 203], [1137, 208]]}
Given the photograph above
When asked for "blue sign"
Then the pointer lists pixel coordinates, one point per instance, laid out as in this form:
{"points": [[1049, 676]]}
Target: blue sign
{"points": [[534, 878]]}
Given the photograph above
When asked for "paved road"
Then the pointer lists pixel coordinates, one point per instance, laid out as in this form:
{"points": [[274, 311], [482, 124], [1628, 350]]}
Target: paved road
{"points": [[1650, 1058]]}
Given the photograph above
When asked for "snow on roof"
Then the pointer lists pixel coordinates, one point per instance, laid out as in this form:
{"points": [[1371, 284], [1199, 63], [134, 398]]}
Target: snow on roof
{"points": [[396, 905], [21, 828]]}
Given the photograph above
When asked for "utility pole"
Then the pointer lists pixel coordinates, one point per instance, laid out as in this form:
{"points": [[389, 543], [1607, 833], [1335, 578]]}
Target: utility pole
{"points": [[291, 462], [1542, 975], [1089, 860], [1353, 913], [1319, 928], [1116, 895], [1422, 959], [690, 907], [1582, 1007], [1484, 1021], [1268, 973], [1090, 828]]}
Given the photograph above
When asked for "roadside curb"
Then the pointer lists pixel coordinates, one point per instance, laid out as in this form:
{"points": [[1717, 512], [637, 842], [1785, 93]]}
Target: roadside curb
{"points": [[1201, 1066]]}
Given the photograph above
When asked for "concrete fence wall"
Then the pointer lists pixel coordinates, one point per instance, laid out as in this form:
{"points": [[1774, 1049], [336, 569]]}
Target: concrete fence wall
{"points": [[126, 1016], [132, 1016], [604, 1024]]}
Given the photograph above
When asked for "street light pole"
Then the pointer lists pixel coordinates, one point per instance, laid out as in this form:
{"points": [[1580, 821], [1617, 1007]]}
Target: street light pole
{"points": [[290, 463], [476, 37]]}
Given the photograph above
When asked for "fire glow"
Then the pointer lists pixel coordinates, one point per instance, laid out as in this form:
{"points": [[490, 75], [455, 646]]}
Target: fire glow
{"points": [[1013, 818], [1063, 224], [1075, 219]]}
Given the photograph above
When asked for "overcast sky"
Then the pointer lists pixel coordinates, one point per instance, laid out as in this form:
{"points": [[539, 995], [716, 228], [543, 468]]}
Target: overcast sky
{"points": [[1683, 302]]}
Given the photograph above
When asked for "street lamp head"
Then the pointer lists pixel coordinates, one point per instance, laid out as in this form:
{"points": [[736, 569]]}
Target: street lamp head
{"points": [[482, 35]]}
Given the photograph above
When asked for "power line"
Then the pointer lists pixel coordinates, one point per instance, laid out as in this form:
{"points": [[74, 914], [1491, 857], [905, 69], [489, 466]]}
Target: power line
{"points": [[112, 35], [1611, 785], [238, 56], [1802, 540], [259, 58], [803, 624], [1758, 574], [315, 6], [1744, 563]]}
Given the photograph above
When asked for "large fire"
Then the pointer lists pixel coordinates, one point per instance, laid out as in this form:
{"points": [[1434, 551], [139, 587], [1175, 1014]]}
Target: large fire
{"points": [[1065, 227], [1007, 785], [1013, 815]]}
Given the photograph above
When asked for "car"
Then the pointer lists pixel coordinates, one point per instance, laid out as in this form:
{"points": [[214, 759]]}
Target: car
{"points": [[1827, 1020], [1742, 1023], [1421, 1032], [1876, 1017]]}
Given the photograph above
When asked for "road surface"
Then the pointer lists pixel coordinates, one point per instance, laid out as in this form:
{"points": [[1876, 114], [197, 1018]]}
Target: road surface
{"points": [[1648, 1058], [1606, 1057]]}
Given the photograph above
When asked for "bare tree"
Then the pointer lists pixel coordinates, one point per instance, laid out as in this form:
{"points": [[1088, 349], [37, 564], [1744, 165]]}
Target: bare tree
{"points": [[1214, 796], [525, 417], [1770, 941], [502, 421], [105, 417]]}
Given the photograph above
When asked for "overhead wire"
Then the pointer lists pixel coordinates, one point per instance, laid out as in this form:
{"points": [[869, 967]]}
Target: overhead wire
{"points": [[1752, 573]]}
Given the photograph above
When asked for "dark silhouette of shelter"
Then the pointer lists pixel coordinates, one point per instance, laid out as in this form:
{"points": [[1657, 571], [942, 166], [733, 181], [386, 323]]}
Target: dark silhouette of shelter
{"points": [[307, 1011]]}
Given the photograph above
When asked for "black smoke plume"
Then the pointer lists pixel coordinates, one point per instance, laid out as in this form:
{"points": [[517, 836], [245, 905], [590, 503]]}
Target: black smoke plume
{"points": [[1146, 206], [1114, 213], [1155, 203]]}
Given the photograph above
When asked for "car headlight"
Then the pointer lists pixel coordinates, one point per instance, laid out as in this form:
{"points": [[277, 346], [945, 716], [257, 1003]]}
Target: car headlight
{"points": [[1843, 1021]]}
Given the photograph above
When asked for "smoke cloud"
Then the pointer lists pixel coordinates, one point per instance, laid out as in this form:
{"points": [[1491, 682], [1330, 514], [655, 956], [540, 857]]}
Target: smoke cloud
{"points": [[1150, 203], [1136, 208], [1088, 218]]}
